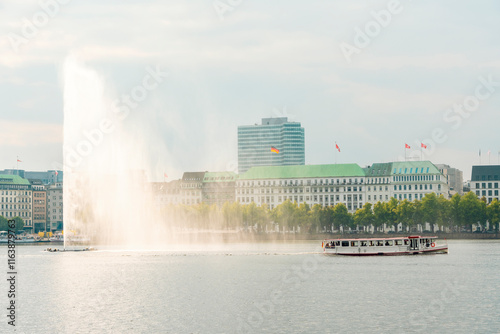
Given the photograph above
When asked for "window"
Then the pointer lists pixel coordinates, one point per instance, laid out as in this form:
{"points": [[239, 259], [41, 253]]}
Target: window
{"points": [[345, 243], [354, 244]]}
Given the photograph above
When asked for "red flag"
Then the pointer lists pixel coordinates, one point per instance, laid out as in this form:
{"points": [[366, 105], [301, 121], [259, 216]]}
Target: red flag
{"points": [[19, 160], [423, 145], [56, 173], [407, 146], [337, 147], [165, 175]]}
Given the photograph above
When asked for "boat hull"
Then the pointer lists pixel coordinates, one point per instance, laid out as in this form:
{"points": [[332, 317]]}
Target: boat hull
{"points": [[440, 250], [412, 245]]}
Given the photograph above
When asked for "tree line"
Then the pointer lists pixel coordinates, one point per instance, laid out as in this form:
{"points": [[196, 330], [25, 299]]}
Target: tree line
{"points": [[453, 215], [4, 225]]}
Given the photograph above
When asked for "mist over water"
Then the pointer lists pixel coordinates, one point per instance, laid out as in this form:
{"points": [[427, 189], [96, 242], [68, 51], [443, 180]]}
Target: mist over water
{"points": [[106, 193]]}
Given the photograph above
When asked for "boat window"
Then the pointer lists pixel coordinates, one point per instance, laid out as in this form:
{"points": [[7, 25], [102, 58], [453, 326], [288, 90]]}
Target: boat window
{"points": [[380, 242], [354, 244], [389, 242], [345, 243], [337, 243], [364, 243], [407, 242], [399, 242]]}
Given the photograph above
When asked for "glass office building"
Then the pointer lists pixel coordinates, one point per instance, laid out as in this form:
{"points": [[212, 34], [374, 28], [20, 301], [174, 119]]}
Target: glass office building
{"points": [[255, 143]]}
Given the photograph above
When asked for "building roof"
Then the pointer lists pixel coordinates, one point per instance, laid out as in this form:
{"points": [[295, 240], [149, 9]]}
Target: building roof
{"points": [[12, 179], [414, 167], [282, 172], [220, 177], [193, 176], [485, 173], [379, 169]]}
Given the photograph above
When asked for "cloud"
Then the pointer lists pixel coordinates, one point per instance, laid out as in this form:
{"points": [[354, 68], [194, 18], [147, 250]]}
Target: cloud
{"points": [[26, 134]]}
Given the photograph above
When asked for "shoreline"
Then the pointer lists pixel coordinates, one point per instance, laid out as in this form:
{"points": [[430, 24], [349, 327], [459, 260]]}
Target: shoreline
{"points": [[214, 237]]}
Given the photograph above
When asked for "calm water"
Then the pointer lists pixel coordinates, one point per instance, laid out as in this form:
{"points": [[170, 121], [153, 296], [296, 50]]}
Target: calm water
{"points": [[255, 288]]}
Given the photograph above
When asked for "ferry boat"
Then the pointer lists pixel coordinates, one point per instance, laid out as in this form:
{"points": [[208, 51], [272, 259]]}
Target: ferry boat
{"points": [[384, 246]]}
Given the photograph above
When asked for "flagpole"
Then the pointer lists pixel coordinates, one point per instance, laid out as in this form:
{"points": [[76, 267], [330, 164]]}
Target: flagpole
{"points": [[335, 153]]}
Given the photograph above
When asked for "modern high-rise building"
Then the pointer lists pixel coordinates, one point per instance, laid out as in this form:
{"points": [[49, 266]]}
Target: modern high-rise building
{"points": [[256, 141]]}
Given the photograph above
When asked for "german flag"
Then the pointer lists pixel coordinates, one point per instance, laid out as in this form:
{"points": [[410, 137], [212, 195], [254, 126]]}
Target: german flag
{"points": [[275, 150]]}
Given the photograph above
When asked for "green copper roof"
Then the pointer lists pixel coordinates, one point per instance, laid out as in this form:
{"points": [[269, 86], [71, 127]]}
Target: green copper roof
{"points": [[379, 169], [12, 179], [414, 167], [303, 171], [220, 177]]}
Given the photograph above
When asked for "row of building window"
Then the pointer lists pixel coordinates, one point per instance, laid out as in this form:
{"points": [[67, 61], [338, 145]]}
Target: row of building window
{"points": [[490, 185], [16, 207], [16, 193], [410, 178], [15, 200], [298, 182], [415, 187], [487, 193]]}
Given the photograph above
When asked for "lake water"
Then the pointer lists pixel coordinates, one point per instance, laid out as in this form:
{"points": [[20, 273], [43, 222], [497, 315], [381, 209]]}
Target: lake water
{"points": [[283, 287]]}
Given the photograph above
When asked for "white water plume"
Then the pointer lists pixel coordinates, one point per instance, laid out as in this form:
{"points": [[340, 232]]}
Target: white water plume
{"points": [[106, 164]]}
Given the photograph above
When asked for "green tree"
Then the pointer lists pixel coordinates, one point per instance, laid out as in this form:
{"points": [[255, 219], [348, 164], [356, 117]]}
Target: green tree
{"points": [[418, 215], [405, 212], [445, 212], [493, 214], [455, 211], [471, 210], [4, 226], [341, 216], [381, 214], [392, 212], [364, 216], [4, 223], [430, 208], [284, 214], [305, 217]]}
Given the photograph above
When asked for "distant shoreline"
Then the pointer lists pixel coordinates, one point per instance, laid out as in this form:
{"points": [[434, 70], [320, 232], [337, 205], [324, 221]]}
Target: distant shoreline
{"points": [[235, 237]]}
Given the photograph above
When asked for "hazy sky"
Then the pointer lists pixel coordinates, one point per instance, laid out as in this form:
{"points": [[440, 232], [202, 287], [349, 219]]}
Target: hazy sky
{"points": [[370, 75]]}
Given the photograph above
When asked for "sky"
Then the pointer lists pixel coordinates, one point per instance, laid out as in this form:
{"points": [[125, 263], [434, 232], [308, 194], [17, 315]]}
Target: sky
{"points": [[371, 76]]}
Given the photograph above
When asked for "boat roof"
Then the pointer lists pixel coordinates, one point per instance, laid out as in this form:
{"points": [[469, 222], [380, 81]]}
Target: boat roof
{"points": [[392, 238]]}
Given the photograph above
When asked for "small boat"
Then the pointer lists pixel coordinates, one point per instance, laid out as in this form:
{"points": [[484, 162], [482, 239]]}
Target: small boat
{"points": [[4, 237], [19, 239], [384, 246], [57, 238]]}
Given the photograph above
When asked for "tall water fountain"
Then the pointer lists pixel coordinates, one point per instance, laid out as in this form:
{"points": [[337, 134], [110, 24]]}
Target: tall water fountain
{"points": [[106, 164]]}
